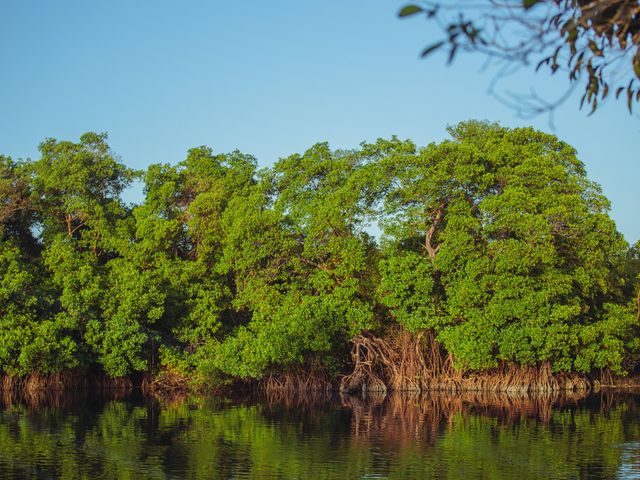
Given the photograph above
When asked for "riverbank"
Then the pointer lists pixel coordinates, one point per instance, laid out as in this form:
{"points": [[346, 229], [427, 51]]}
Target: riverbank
{"points": [[511, 381]]}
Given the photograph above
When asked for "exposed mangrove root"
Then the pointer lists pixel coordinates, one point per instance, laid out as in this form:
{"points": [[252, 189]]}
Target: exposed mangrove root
{"points": [[301, 381], [38, 385], [405, 362], [61, 390], [34, 383], [167, 384], [522, 380], [607, 379]]}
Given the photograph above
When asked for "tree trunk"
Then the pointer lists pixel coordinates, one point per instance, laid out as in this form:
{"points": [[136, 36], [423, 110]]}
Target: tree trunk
{"points": [[428, 245]]}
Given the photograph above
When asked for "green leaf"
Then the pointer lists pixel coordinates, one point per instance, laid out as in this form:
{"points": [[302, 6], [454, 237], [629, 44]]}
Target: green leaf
{"points": [[409, 10]]}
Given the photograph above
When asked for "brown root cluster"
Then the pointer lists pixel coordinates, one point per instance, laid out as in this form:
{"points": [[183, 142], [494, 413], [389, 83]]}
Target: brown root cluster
{"points": [[305, 387], [406, 362], [403, 362], [312, 379], [605, 379], [167, 384], [35, 384], [60, 390]]}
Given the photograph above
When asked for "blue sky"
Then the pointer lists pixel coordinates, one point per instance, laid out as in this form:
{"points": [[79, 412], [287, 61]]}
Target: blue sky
{"points": [[269, 78]]}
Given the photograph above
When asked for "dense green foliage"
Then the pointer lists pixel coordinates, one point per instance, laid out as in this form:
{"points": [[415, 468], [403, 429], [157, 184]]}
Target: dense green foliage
{"points": [[495, 240], [511, 250]]}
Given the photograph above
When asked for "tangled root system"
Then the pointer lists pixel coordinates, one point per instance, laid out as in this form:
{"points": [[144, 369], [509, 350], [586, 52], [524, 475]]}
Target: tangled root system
{"points": [[406, 362], [403, 362], [166, 385], [298, 381], [70, 380]]}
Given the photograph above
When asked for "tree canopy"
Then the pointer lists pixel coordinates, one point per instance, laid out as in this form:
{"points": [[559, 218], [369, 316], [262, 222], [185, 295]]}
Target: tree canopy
{"points": [[494, 241]]}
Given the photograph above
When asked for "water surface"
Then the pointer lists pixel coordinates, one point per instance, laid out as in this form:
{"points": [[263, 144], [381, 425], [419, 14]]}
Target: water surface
{"points": [[463, 437]]}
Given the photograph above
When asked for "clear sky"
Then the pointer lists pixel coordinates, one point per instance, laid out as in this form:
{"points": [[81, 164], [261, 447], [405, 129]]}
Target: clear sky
{"points": [[269, 78]]}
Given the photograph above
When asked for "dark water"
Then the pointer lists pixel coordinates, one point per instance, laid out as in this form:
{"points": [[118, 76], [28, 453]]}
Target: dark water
{"points": [[465, 437]]}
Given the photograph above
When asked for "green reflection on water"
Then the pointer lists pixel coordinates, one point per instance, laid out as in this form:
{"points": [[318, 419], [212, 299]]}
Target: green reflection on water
{"points": [[452, 438]]}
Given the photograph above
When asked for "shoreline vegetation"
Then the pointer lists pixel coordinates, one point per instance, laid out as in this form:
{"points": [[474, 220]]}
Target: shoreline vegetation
{"points": [[508, 382], [484, 263], [513, 404]]}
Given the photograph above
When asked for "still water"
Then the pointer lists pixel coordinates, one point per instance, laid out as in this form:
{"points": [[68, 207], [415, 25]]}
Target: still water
{"points": [[461, 437]]}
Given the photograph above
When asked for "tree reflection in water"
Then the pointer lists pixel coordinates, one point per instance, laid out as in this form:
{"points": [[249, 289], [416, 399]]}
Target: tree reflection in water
{"points": [[399, 436]]}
